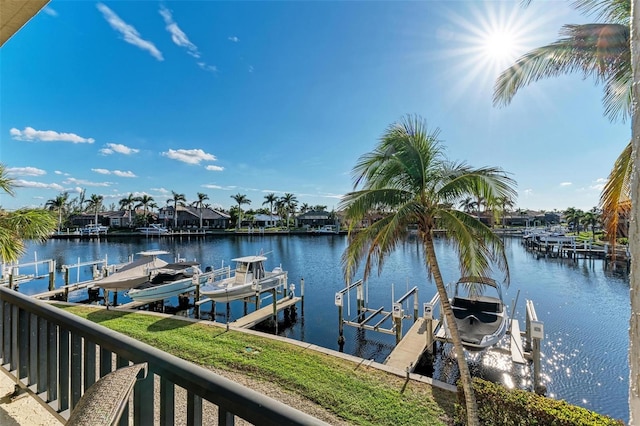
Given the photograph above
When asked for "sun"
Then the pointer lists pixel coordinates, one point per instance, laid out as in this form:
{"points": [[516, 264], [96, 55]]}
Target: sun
{"points": [[500, 45]]}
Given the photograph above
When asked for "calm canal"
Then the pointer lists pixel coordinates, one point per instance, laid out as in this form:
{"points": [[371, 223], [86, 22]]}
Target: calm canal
{"points": [[584, 307]]}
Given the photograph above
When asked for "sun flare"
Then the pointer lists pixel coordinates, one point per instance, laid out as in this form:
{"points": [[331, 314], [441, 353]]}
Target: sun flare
{"points": [[500, 45]]}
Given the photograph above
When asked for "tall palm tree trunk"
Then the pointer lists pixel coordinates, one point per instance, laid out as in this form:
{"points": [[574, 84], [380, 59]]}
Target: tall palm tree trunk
{"points": [[634, 226], [465, 374]]}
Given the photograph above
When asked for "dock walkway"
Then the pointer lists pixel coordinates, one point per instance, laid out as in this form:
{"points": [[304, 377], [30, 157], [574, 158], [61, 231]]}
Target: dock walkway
{"points": [[262, 314], [406, 354]]}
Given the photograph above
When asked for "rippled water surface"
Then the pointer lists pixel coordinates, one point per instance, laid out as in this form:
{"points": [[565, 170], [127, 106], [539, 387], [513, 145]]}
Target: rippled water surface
{"points": [[584, 307]]}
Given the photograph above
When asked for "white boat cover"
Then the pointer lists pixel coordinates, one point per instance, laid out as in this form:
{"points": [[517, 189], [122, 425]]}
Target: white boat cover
{"points": [[131, 275]]}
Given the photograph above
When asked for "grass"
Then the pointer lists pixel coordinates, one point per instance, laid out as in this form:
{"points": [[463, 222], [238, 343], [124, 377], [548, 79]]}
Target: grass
{"points": [[358, 394]]}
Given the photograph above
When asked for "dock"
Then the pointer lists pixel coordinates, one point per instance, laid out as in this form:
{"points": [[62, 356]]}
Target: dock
{"points": [[64, 290], [406, 354], [256, 317]]}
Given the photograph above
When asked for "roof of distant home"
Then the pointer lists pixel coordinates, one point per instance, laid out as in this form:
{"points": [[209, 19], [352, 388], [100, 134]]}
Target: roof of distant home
{"points": [[14, 14]]}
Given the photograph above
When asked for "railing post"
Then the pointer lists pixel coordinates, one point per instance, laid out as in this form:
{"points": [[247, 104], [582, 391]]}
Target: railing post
{"points": [[52, 362], [23, 344], [76, 369], [52, 276], [41, 356], [194, 409], [64, 382], [167, 402]]}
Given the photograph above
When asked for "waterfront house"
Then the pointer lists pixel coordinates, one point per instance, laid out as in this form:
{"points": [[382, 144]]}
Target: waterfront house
{"points": [[189, 217], [265, 220], [315, 219]]}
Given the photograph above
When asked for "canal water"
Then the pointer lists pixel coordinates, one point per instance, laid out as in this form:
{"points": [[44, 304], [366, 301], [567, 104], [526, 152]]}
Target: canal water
{"points": [[584, 306]]}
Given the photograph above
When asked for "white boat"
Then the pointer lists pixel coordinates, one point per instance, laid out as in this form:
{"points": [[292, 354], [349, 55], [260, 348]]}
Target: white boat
{"points": [[134, 273], [327, 229], [248, 278], [168, 281], [94, 230], [153, 229], [481, 319]]}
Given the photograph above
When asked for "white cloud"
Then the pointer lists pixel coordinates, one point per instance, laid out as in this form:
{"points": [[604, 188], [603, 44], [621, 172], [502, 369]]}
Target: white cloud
{"points": [[30, 184], [597, 186], [224, 188], [177, 35], [565, 184], [82, 182], [31, 134], [128, 32], [58, 172], [161, 190], [214, 168], [127, 174], [250, 68], [189, 156], [49, 11], [180, 39], [206, 67], [25, 171], [111, 148], [234, 39], [527, 192], [118, 173]]}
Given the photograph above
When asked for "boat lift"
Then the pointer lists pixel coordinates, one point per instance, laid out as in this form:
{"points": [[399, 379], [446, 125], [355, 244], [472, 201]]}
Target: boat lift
{"points": [[11, 273], [365, 315]]}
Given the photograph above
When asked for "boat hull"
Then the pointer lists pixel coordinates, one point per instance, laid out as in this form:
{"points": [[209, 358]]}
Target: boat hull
{"points": [[162, 291], [223, 292]]}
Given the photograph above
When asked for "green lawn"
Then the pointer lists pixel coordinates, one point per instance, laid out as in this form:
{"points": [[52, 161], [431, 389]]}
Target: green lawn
{"points": [[361, 395]]}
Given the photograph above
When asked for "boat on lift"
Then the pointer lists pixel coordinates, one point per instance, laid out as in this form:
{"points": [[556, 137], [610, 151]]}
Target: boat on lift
{"points": [[168, 281], [481, 317], [246, 279]]}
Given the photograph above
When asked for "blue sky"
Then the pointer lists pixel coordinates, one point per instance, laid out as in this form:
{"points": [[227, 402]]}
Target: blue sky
{"points": [[150, 97]]}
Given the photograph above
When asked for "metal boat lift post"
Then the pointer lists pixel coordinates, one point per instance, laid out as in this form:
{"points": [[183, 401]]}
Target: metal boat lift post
{"points": [[534, 334], [14, 273]]}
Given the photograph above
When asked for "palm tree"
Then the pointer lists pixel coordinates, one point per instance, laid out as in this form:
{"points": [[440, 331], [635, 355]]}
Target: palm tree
{"points": [[19, 225], [95, 203], [240, 199], [504, 203], [199, 204], [408, 176], [573, 215], [270, 199], [305, 208], [128, 203], [58, 204], [177, 200], [290, 203], [591, 218], [145, 201]]}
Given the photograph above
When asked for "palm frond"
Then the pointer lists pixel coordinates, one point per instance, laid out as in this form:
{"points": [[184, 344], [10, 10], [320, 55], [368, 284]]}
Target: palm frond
{"points": [[478, 248], [616, 11], [615, 198], [6, 183], [376, 241], [595, 50]]}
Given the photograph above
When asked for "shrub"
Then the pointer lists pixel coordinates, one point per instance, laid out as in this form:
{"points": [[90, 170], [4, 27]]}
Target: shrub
{"points": [[498, 406]]}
